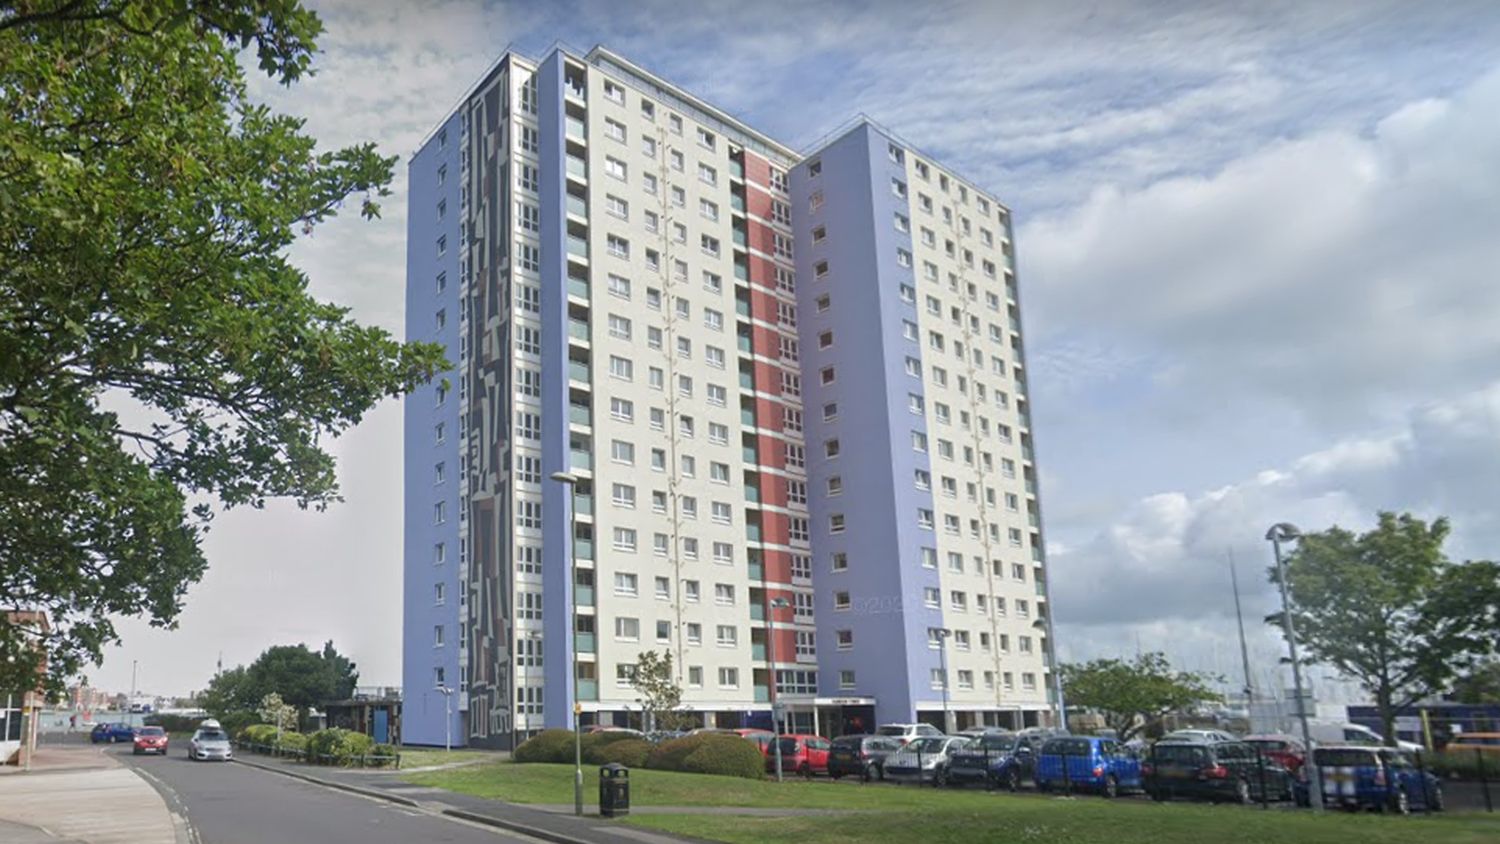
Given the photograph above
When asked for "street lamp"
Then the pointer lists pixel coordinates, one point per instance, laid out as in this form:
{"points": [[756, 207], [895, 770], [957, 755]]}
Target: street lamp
{"points": [[447, 694], [943, 633], [776, 604], [1044, 624], [571, 480], [1279, 533]]}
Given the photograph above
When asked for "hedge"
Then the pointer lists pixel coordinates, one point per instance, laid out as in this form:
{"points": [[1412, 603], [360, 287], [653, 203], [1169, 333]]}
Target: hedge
{"points": [[258, 734], [1461, 764], [338, 746], [631, 752], [669, 755], [546, 746], [729, 756], [594, 745]]}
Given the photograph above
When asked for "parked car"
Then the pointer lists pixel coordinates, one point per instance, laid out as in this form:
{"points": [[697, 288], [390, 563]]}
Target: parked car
{"points": [[1487, 742], [150, 740], [1198, 735], [995, 759], [904, 733], [1288, 751], [860, 756], [924, 759], [111, 733], [1342, 732], [210, 743], [1088, 763], [801, 754], [976, 732], [762, 738], [1368, 777], [1213, 770]]}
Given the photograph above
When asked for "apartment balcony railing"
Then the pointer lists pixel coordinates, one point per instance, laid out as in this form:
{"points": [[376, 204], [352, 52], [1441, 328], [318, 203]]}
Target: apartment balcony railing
{"points": [[582, 460], [588, 689], [578, 330], [578, 287], [757, 571], [583, 549], [578, 167], [583, 505], [577, 206], [758, 651], [578, 371], [577, 129], [752, 533], [736, 168], [580, 415], [757, 612], [762, 694], [578, 246], [586, 644], [585, 597]]}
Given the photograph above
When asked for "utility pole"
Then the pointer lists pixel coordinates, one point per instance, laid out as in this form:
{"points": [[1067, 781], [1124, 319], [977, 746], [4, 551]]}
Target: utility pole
{"points": [[130, 703], [1239, 617], [1278, 534]]}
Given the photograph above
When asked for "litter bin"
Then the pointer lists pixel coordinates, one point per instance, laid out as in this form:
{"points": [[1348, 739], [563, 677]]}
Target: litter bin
{"points": [[614, 790]]}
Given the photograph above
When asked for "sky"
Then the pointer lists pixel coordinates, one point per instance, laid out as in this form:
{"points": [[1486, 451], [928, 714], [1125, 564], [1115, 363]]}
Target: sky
{"points": [[1256, 245]]}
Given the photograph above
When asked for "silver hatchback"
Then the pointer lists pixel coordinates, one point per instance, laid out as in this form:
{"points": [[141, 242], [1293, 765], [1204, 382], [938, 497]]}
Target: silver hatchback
{"points": [[210, 744]]}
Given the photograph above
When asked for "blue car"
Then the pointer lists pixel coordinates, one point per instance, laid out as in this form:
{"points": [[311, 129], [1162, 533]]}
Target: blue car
{"points": [[995, 759], [111, 733], [1358, 777], [1087, 763]]}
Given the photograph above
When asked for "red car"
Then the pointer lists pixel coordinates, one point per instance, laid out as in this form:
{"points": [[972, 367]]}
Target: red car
{"points": [[762, 738], [150, 740], [800, 754], [1287, 750]]}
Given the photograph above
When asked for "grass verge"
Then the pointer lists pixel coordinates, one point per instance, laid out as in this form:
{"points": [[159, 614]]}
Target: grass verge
{"points": [[424, 758]]}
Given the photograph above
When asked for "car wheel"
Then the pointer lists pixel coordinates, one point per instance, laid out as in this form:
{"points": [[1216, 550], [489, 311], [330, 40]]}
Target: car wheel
{"points": [[1111, 787], [804, 771], [939, 778], [1435, 804], [868, 774], [1013, 780], [1242, 794]]}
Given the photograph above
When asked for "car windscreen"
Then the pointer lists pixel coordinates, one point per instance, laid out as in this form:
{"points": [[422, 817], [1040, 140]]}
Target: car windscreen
{"points": [[152, 731], [927, 745], [212, 735], [1002, 744], [1179, 754], [891, 731], [1068, 746], [1268, 744], [849, 742], [789, 745], [1345, 756]]}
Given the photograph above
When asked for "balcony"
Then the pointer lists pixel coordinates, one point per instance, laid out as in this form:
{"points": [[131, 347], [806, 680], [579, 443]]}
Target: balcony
{"points": [[578, 371], [744, 343], [580, 415], [1034, 520], [579, 168], [736, 168], [588, 689], [584, 595], [583, 549], [762, 694], [747, 382], [576, 129], [737, 202], [1015, 324], [757, 571], [583, 505], [585, 641], [740, 238], [1031, 487], [742, 307], [752, 493], [578, 330], [757, 612], [750, 455], [578, 287], [578, 247], [752, 533], [1036, 554], [578, 207], [758, 651], [582, 460]]}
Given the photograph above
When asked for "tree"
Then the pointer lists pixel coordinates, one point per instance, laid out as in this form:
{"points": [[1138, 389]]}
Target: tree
{"points": [[273, 710], [1388, 609], [657, 690], [299, 677], [227, 693], [156, 345], [1134, 695], [1481, 684]]}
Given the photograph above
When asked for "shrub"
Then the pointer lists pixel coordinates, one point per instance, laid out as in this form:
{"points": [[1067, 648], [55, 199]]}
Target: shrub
{"points": [[729, 756], [630, 752], [338, 746], [593, 745], [234, 722], [669, 755], [546, 746], [387, 752], [292, 741], [258, 734], [1459, 764]]}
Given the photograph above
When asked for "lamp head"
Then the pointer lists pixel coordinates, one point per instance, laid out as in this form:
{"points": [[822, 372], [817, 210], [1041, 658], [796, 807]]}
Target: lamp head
{"points": [[1283, 532], [564, 477]]}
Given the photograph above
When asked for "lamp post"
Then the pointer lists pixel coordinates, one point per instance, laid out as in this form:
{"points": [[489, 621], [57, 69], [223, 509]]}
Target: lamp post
{"points": [[130, 704], [1279, 533], [775, 604], [1060, 711], [571, 481], [943, 633], [447, 693]]}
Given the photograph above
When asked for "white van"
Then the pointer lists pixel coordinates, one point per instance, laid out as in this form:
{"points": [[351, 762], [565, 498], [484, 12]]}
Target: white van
{"points": [[1341, 732]]}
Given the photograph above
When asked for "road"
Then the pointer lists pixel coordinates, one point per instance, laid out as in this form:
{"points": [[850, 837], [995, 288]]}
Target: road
{"points": [[227, 803]]}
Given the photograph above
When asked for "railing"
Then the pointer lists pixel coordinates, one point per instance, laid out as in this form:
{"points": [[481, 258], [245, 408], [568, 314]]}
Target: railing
{"points": [[588, 689], [583, 505], [752, 533], [752, 493], [364, 760], [578, 246], [762, 694], [578, 287], [577, 206], [577, 129], [757, 571], [749, 454], [578, 167], [758, 651], [582, 460], [578, 371], [736, 202], [585, 641], [736, 168], [578, 330], [580, 415], [583, 549], [757, 612]]}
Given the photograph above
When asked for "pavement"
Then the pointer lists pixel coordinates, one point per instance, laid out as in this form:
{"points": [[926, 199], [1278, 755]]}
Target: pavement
{"points": [[81, 794]]}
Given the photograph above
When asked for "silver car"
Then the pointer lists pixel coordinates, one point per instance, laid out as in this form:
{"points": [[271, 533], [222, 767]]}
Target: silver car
{"points": [[924, 760], [209, 743]]}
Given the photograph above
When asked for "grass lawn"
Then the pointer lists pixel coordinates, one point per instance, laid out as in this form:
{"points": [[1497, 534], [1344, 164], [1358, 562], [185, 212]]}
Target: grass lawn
{"points": [[1085, 820], [932, 816], [424, 758]]}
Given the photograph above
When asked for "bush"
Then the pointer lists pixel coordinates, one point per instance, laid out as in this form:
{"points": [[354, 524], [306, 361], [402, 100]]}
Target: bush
{"points": [[386, 751], [234, 722], [593, 745], [728, 756], [292, 741], [258, 734], [669, 755], [1460, 764], [631, 752], [338, 746], [546, 746]]}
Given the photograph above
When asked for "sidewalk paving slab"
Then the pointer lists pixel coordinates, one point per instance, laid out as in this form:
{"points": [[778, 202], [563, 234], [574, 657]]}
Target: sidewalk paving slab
{"points": [[93, 805]]}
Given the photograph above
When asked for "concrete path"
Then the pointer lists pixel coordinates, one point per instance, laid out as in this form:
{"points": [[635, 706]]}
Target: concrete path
{"points": [[92, 805]]}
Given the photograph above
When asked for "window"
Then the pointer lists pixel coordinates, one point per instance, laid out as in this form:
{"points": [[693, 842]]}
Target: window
{"points": [[846, 679], [622, 452], [617, 207], [710, 245], [707, 174], [822, 303], [898, 188], [439, 593], [619, 327], [729, 678], [614, 93], [613, 129], [624, 540], [902, 223], [836, 523], [721, 512], [820, 233], [437, 636], [723, 553], [724, 594], [627, 629], [621, 368], [831, 448], [625, 584], [844, 638], [616, 168], [727, 635], [622, 410], [835, 486], [617, 246], [827, 375], [924, 519], [708, 209], [623, 495], [440, 512], [778, 180]]}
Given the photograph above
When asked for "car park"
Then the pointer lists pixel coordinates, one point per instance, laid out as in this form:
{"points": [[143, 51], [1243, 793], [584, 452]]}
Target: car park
{"points": [[210, 743], [761, 738], [1198, 735], [801, 754], [1358, 777], [1213, 770], [1287, 751], [860, 756], [1484, 742], [111, 733], [995, 759], [150, 740], [904, 733], [1087, 763], [924, 760]]}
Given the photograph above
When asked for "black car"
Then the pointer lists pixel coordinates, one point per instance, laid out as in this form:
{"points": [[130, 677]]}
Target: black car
{"points": [[860, 756], [1213, 770], [996, 759]]}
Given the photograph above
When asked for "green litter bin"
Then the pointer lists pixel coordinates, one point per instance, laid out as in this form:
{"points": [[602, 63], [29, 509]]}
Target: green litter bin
{"points": [[614, 790]]}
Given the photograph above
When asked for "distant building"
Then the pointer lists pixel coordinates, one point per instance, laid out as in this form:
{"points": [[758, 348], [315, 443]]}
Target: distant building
{"points": [[18, 708], [372, 710]]}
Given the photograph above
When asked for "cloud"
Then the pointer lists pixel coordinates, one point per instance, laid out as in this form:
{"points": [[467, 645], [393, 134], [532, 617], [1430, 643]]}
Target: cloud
{"points": [[1162, 564]]}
